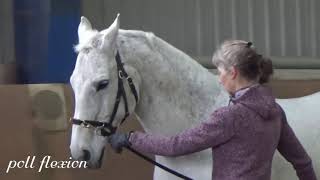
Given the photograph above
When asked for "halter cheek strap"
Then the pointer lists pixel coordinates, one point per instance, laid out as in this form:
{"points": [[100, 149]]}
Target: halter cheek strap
{"points": [[106, 128], [122, 74]]}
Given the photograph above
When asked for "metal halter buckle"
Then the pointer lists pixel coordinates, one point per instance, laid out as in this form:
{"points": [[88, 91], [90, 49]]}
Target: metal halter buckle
{"points": [[86, 124], [98, 130]]}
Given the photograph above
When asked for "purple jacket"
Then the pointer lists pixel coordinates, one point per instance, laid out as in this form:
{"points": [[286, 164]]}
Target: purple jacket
{"points": [[243, 136]]}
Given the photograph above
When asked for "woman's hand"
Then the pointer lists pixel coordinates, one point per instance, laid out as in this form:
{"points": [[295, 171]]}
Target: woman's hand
{"points": [[118, 141]]}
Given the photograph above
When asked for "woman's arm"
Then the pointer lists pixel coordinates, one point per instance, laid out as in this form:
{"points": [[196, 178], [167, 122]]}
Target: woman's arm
{"points": [[218, 129]]}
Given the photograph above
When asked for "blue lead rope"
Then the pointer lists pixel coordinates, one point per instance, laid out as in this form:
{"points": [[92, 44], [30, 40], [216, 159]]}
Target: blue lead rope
{"points": [[158, 164]]}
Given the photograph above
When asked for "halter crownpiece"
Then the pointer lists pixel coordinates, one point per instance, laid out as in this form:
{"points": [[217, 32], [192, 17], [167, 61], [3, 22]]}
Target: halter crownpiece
{"points": [[106, 128]]}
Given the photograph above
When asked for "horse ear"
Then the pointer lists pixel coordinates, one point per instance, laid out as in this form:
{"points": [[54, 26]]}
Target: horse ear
{"points": [[110, 34], [83, 28]]}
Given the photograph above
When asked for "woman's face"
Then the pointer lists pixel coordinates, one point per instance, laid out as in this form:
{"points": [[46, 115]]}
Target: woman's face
{"points": [[227, 78]]}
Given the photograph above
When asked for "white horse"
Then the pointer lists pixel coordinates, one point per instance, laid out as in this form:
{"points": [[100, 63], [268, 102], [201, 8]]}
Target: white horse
{"points": [[175, 93]]}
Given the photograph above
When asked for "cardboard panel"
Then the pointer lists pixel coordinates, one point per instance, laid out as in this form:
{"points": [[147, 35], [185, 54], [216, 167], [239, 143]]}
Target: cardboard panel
{"points": [[22, 137]]}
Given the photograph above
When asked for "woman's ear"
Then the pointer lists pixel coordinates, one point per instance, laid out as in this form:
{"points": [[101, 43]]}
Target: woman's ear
{"points": [[234, 72]]}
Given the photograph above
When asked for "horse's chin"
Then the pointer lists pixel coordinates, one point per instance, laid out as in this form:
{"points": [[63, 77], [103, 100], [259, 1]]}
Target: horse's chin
{"points": [[97, 164]]}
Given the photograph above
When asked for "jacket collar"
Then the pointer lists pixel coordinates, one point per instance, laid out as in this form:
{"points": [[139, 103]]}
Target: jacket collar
{"points": [[240, 92]]}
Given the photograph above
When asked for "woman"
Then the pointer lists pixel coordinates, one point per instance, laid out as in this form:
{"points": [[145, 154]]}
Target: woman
{"points": [[244, 135]]}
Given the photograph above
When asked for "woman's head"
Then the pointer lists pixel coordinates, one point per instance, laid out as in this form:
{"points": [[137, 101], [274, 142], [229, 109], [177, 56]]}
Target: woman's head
{"points": [[238, 61]]}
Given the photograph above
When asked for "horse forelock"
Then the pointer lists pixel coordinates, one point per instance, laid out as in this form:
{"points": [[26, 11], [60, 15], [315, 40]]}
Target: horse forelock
{"points": [[86, 41]]}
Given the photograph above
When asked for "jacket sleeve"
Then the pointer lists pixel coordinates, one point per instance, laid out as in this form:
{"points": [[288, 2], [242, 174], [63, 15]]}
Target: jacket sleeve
{"points": [[292, 150], [218, 129]]}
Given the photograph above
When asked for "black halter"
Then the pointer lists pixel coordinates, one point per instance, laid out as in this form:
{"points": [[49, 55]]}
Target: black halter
{"points": [[106, 128]]}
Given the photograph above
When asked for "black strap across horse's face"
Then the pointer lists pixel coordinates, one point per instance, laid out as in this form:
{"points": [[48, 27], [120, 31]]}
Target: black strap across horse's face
{"points": [[106, 128]]}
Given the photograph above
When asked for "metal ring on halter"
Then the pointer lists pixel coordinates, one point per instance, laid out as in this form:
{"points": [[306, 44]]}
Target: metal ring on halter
{"points": [[121, 76], [128, 77]]}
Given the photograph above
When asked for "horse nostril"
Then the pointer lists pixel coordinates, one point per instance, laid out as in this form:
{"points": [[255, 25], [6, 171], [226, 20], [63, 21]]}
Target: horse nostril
{"points": [[86, 155]]}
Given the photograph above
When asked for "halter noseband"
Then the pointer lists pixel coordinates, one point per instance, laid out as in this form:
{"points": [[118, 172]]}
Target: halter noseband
{"points": [[106, 128]]}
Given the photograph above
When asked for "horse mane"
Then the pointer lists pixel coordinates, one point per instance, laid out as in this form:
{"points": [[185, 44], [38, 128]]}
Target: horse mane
{"points": [[157, 44], [150, 39], [171, 52]]}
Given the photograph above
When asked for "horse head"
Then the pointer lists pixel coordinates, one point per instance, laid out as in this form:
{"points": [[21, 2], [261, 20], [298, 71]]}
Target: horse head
{"points": [[105, 89]]}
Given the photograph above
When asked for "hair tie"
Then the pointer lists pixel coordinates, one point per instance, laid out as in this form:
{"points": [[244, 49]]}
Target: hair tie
{"points": [[249, 44]]}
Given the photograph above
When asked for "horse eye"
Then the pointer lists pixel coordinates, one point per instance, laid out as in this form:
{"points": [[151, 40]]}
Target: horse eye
{"points": [[102, 84]]}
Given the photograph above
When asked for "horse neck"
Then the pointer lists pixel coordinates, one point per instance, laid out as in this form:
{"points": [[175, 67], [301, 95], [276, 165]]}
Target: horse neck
{"points": [[176, 92]]}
